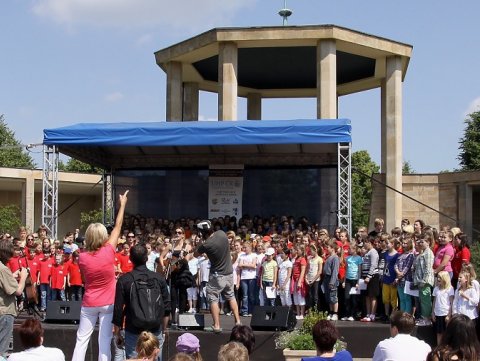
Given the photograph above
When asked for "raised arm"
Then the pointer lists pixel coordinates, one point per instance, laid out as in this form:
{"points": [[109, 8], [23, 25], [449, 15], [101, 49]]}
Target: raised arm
{"points": [[113, 239]]}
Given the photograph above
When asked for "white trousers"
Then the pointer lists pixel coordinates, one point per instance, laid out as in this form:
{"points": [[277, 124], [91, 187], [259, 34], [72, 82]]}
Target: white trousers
{"points": [[88, 319]]}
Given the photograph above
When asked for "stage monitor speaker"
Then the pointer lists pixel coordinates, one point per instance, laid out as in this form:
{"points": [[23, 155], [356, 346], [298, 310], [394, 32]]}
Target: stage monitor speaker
{"points": [[191, 321], [270, 318], [59, 311]]}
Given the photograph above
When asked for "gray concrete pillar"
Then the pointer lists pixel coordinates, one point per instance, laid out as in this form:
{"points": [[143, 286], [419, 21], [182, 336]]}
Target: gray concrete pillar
{"points": [[28, 202], [227, 81], [174, 92], [465, 208], [254, 106], [190, 101], [383, 127], [393, 142], [327, 79]]}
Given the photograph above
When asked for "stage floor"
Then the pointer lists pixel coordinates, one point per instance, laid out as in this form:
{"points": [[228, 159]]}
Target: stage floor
{"points": [[361, 339]]}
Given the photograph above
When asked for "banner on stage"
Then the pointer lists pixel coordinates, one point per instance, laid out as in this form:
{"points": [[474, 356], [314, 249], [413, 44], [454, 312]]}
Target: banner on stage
{"points": [[225, 187]]}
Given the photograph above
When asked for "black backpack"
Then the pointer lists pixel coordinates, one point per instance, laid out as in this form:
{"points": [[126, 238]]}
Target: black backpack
{"points": [[146, 303]]}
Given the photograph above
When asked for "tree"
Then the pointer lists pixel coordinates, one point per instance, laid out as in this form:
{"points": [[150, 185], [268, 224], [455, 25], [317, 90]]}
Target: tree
{"points": [[469, 156], [363, 167], [407, 168], [75, 165], [11, 153], [10, 220]]}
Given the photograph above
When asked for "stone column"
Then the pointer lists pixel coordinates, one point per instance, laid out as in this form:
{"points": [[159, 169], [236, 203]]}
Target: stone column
{"points": [[465, 208], [383, 127], [28, 202], [392, 129], [190, 101], [174, 91], [227, 81], [254, 106], [327, 79]]}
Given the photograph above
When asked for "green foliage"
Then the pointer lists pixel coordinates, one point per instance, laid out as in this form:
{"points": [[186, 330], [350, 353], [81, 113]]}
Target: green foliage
{"points": [[302, 338], [91, 217], [362, 169], [475, 256], [469, 156], [11, 153], [10, 219], [407, 168], [75, 165]]}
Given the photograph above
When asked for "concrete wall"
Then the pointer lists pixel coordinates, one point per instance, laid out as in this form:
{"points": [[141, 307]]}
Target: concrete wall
{"points": [[452, 194], [77, 193]]}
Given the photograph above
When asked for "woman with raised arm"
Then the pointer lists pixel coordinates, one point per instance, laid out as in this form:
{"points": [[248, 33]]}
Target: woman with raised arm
{"points": [[97, 267]]}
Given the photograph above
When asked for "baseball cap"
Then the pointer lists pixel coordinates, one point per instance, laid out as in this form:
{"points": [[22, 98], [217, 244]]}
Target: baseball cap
{"points": [[188, 343], [270, 251]]}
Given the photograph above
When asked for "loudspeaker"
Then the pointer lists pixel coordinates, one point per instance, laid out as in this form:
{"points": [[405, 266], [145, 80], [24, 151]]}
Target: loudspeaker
{"points": [[191, 321], [270, 318], [63, 311]]}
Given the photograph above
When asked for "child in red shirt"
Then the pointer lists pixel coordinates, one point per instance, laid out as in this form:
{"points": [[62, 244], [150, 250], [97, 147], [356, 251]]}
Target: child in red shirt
{"points": [[58, 279], [46, 263], [74, 278]]}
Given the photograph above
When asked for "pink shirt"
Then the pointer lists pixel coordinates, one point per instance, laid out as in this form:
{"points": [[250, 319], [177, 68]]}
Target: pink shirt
{"points": [[442, 251], [99, 274]]}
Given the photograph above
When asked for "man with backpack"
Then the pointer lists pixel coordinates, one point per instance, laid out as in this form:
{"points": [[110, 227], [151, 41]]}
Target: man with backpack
{"points": [[142, 303]]}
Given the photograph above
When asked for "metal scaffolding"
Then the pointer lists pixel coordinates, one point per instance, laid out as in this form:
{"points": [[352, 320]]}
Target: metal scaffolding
{"points": [[108, 197], [50, 189], [344, 180]]}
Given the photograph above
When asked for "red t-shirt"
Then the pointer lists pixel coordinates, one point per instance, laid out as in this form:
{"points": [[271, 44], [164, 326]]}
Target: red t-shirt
{"points": [[124, 262], [58, 276], [15, 263], [34, 266], [99, 274], [461, 256], [75, 275], [45, 269], [297, 267]]}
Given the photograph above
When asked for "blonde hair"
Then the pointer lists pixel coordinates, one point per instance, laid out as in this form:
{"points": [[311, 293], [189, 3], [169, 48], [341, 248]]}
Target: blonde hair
{"points": [[233, 351], [147, 345], [468, 277], [468, 267], [445, 283], [95, 236]]}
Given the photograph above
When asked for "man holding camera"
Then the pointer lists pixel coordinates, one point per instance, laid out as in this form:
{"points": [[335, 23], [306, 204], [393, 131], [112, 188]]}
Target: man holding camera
{"points": [[220, 281]]}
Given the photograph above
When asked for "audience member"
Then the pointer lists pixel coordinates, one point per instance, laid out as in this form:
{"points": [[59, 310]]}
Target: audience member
{"points": [[325, 336], [243, 334], [147, 347], [233, 351], [31, 337], [402, 346], [189, 344], [459, 341]]}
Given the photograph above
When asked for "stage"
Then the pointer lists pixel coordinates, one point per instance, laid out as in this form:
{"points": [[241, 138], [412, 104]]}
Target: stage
{"points": [[361, 339]]}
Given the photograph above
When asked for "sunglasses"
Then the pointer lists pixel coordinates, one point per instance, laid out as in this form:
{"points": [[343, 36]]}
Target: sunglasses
{"points": [[178, 232], [30, 239], [130, 236]]}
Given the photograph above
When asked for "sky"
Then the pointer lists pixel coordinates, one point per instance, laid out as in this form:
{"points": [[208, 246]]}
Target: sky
{"points": [[64, 62]]}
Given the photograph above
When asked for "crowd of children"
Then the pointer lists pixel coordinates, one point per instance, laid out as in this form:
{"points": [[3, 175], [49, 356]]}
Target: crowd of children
{"points": [[282, 261]]}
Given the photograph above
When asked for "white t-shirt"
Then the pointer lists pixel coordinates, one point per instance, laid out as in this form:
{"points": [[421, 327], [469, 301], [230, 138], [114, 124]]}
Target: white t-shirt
{"points": [[442, 300], [248, 273], [402, 347], [39, 353], [283, 271], [193, 266], [204, 268]]}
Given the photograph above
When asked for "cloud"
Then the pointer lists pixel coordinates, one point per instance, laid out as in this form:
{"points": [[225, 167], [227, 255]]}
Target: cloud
{"points": [[474, 106], [140, 13], [114, 97]]}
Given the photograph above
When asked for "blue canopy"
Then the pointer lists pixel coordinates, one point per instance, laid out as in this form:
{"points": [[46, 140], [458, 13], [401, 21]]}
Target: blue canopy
{"points": [[201, 133], [122, 145]]}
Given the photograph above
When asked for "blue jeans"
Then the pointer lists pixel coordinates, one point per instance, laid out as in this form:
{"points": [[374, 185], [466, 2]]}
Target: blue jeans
{"points": [[45, 295], [248, 295], [131, 343], [268, 301], [76, 293], [118, 352], [56, 294], [6, 332]]}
